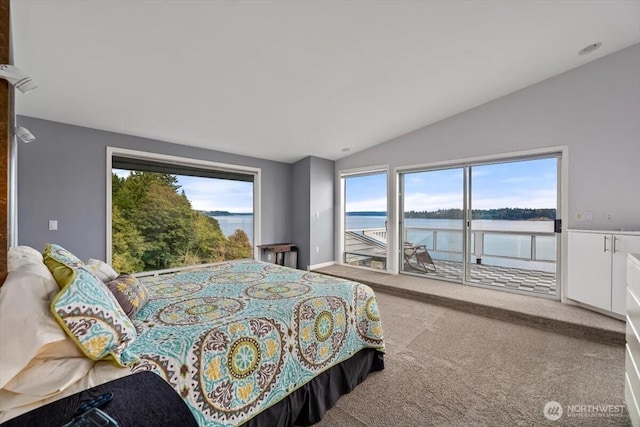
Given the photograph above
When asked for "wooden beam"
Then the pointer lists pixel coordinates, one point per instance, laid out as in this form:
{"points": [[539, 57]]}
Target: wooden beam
{"points": [[5, 136]]}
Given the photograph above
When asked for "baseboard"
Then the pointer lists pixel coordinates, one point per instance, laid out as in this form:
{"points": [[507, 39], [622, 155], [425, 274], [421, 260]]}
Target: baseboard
{"points": [[596, 309], [322, 265]]}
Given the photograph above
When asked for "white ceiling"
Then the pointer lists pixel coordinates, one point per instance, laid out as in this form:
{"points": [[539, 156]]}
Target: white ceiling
{"points": [[283, 80]]}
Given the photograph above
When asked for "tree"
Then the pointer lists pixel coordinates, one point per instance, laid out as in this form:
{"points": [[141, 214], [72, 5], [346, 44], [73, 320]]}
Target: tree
{"points": [[208, 241], [154, 227], [238, 246], [127, 243], [166, 223]]}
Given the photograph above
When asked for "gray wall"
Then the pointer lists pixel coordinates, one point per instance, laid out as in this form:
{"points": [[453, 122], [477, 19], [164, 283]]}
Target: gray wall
{"points": [[322, 213], [312, 205], [300, 203], [594, 110], [62, 175]]}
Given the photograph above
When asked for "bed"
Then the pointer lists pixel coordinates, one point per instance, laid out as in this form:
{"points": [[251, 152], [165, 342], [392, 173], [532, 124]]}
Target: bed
{"points": [[242, 342]]}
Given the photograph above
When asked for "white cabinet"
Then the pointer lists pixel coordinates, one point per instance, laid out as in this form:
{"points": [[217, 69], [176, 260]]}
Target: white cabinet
{"points": [[597, 267], [632, 362]]}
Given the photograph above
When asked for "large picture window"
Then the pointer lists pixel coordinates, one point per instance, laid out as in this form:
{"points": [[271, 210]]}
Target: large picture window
{"points": [[168, 213]]}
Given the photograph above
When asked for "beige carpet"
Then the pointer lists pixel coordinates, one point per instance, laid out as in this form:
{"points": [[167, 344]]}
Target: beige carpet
{"points": [[448, 368]]}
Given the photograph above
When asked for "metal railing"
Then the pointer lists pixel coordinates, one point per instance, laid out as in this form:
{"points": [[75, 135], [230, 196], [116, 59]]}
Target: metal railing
{"points": [[379, 234], [517, 245]]}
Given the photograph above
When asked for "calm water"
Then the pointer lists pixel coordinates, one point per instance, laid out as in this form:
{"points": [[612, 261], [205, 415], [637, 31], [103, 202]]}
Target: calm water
{"points": [[450, 242], [229, 224], [446, 241], [361, 222]]}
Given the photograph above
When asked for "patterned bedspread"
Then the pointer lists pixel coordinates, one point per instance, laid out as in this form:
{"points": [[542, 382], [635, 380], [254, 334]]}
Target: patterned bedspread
{"points": [[237, 337]]}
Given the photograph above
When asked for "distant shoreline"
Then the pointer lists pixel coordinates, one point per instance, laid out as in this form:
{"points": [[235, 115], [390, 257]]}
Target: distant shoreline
{"points": [[502, 214], [226, 213]]}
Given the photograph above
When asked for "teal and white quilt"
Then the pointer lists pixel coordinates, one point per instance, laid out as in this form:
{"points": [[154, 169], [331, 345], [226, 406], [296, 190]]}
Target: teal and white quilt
{"points": [[238, 337]]}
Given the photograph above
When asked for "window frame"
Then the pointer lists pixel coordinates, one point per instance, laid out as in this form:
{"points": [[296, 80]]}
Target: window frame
{"points": [[189, 162], [342, 175]]}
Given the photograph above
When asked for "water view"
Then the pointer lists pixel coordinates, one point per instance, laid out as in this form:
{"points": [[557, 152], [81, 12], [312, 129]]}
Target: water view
{"points": [[507, 243], [419, 231], [230, 223]]}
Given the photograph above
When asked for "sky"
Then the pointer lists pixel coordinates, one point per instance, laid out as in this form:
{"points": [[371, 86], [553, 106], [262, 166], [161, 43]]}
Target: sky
{"points": [[210, 194], [524, 184]]}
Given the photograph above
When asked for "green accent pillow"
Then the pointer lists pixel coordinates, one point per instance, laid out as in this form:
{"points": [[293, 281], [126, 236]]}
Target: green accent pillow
{"points": [[61, 263], [130, 293], [90, 314]]}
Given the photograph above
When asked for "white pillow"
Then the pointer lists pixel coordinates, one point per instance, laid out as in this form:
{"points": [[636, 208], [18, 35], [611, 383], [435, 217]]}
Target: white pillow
{"points": [[101, 270], [45, 377], [26, 324], [26, 258]]}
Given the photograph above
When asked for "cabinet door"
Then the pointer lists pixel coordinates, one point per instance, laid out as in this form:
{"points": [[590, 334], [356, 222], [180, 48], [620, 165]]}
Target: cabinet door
{"points": [[623, 244], [589, 269]]}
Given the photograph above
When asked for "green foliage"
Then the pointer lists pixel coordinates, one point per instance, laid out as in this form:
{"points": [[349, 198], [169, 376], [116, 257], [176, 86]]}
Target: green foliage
{"points": [[127, 242], [238, 246], [154, 227]]}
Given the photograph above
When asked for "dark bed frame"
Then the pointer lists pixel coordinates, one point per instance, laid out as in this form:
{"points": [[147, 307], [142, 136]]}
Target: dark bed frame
{"points": [[308, 404], [145, 399]]}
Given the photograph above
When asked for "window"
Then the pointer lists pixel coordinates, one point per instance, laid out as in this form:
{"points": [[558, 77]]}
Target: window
{"points": [[365, 219], [166, 212]]}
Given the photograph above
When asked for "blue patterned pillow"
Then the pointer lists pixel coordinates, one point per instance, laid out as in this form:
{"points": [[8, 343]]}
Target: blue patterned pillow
{"points": [[90, 314], [61, 263]]}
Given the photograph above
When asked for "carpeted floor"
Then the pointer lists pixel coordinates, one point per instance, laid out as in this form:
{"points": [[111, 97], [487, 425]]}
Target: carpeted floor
{"points": [[448, 368]]}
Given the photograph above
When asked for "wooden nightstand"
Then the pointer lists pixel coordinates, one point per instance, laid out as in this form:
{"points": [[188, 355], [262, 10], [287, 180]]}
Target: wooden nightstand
{"points": [[284, 253], [142, 399]]}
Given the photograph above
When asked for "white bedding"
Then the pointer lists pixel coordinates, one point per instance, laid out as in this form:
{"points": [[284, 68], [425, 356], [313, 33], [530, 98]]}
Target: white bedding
{"points": [[15, 404], [39, 363]]}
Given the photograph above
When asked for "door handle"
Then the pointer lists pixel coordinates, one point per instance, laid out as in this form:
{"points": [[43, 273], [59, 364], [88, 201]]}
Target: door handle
{"points": [[615, 239], [605, 243]]}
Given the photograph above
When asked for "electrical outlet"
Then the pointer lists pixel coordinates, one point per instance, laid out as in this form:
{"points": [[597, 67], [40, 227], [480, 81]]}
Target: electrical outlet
{"points": [[584, 216], [609, 216]]}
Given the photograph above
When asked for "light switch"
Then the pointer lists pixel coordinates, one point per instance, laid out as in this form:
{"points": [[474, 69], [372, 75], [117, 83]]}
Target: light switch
{"points": [[53, 224]]}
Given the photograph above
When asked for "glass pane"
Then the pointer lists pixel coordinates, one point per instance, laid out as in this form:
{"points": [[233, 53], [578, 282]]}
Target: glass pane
{"points": [[507, 245], [546, 248], [365, 238], [432, 223], [161, 220], [513, 212]]}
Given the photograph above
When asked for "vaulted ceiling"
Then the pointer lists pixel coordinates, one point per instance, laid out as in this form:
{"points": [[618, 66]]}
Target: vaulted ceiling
{"points": [[282, 80]]}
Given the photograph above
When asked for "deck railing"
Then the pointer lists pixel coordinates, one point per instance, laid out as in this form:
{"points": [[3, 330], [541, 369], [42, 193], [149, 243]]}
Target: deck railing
{"points": [[515, 245]]}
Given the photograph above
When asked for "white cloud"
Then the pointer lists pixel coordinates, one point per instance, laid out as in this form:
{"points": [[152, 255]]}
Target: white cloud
{"points": [[217, 194], [121, 173], [537, 199], [379, 204], [429, 202], [432, 202]]}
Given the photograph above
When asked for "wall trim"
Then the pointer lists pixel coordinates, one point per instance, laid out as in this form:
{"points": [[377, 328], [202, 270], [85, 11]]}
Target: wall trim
{"points": [[498, 157], [321, 265]]}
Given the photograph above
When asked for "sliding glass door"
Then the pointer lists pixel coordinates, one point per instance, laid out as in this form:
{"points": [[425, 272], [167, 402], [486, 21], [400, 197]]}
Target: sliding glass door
{"points": [[488, 224], [513, 209], [433, 222]]}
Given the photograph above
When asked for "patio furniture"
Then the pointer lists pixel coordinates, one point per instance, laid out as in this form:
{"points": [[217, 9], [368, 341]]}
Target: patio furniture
{"points": [[417, 257]]}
